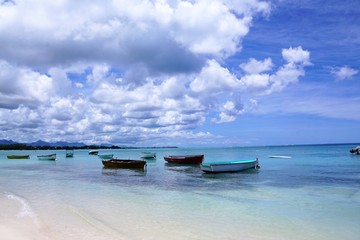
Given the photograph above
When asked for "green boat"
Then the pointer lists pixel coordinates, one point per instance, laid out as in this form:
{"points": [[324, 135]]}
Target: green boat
{"points": [[18, 156]]}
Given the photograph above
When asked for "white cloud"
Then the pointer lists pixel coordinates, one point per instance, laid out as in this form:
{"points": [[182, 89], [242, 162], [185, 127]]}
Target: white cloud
{"points": [[130, 71], [124, 33], [214, 79], [266, 83], [229, 112], [21, 85], [209, 27], [343, 73], [290, 72], [254, 67], [297, 56]]}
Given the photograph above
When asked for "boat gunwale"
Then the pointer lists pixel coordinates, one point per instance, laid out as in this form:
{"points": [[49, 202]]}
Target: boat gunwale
{"points": [[47, 155], [123, 163], [209, 164], [184, 156], [18, 156]]}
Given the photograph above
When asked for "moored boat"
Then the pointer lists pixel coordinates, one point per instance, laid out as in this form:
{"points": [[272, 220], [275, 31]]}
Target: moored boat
{"points": [[229, 166], [278, 156], [124, 163], [93, 152], [69, 153], [106, 156], [148, 155], [47, 157], [185, 159], [356, 150], [18, 156]]}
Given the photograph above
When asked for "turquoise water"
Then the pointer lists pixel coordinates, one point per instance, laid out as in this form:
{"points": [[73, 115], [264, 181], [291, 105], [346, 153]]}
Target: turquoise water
{"points": [[313, 195]]}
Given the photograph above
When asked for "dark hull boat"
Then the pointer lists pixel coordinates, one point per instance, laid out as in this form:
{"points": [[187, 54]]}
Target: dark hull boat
{"points": [[124, 163], [93, 152], [185, 159], [18, 156]]}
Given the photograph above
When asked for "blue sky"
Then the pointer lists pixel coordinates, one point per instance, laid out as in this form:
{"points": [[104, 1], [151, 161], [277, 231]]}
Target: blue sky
{"points": [[184, 73]]}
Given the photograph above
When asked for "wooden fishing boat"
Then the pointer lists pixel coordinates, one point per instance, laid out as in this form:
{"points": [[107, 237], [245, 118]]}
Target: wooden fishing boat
{"points": [[18, 156], [47, 157], [106, 156], [148, 155], [93, 152], [229, 166], [124, 163], [185, 159], [69, 153]]}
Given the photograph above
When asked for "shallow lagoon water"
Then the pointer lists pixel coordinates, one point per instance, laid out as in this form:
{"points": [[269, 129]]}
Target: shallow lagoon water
{"points": [[313, 195]]}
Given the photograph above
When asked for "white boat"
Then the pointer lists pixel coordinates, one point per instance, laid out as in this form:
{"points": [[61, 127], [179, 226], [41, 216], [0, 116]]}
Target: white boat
{"points": [[93, 152], [148, 155], [278, 156], [229, 166], [105, 156], [356, 150], [69, 153], [47, 157]]}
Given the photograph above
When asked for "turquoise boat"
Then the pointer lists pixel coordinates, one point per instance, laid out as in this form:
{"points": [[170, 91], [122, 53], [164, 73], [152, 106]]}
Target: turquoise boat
{"points": [[69, 153], [105, 156], [229, 166]]}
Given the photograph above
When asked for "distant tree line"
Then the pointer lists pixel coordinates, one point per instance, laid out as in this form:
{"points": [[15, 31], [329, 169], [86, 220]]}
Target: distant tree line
{"points": [[21, 146]]}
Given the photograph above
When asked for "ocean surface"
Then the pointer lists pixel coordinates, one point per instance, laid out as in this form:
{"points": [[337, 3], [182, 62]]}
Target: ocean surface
{"points": [[314, 195]]}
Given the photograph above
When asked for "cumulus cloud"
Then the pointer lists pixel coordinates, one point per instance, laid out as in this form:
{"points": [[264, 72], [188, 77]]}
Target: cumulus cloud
{"points": [[229, 112], [296, 56], [254, 67], [344, 73], [23, 86], [259, 76], [130, 71]]}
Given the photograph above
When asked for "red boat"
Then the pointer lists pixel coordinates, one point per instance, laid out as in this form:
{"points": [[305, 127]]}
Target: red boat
{"points": [[185, 159]]}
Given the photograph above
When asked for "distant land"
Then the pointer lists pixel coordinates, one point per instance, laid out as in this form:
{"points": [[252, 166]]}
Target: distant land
{"points": [[42, 145]]}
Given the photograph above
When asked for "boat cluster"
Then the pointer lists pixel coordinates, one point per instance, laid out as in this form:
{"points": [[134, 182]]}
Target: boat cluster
{"points": [[208, 167], [109, 161]]}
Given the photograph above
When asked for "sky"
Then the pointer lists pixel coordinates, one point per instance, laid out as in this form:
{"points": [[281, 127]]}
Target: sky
{"points": [[196, 73]]}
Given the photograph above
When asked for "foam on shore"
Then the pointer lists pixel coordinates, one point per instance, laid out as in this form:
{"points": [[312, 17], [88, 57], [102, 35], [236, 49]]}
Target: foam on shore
{"points": [[17, 219]]}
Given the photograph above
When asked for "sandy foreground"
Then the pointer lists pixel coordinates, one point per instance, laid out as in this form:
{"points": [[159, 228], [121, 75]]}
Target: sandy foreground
{"points": [[11, 233], [19, 221]]}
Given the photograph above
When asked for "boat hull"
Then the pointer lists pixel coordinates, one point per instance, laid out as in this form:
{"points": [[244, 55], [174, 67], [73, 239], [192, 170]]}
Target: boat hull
{"points": [[186, 159], [276, 156], [232, 166], [124, 163], [107, 156], [51, 157], [355, 150], [93, 152], [148, 155], [69, 154], [18, 156]]}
